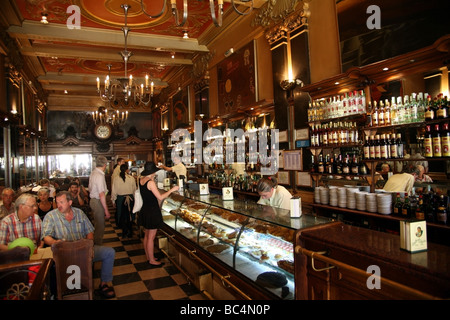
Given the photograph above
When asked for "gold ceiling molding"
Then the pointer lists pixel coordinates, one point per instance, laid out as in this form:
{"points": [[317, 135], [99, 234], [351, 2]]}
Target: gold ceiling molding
{"points": [[289, 24], [274, 11]]}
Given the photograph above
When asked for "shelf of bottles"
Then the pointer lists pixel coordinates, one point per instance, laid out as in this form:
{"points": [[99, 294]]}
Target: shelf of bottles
{"points": [[403, 112], [429, 206]]}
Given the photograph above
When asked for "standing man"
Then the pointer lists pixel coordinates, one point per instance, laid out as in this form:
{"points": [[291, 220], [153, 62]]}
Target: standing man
{"points": [[8, 205], [67, 223], [98, 191], [179, 169], [24, 222]]}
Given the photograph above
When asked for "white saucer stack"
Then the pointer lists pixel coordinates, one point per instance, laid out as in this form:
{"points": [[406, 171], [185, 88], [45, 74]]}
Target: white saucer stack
{"points": [[333, 196], [342, 197], [351, 197], [371, 202], [384, 202], [317, 194], [361, 200], [324, 196]]}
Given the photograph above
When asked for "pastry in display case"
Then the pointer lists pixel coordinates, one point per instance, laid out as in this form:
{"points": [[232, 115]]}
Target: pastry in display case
{"points": [[254, 240]]}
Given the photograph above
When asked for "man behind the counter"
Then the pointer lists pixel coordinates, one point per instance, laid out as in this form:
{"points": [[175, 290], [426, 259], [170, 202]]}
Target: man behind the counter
{"points": [[272, 194], [179, 169]]}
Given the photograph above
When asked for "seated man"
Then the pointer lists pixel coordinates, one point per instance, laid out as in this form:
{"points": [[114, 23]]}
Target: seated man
{"points": [[67, 223], [419, 174], [7, 206], [23, 223]]}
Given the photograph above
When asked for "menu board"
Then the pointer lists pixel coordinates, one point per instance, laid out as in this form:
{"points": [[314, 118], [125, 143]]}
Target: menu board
{"points": [[292, 160]]}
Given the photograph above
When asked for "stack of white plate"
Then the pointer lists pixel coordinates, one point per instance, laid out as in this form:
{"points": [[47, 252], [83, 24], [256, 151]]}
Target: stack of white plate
{"points": [[361, 200], [384, 202], [324, 196], [317, 194], [333, 196], [342, 197], [371, 202], [351, 198]]}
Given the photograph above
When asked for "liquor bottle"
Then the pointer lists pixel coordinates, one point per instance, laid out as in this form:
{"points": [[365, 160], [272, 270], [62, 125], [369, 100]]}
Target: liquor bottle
{"points": [[325, 134], [381, 114], [387, 113], [420, 213], [428, 142], [328, 168], [445, 140], [406, 208], [369, 121], [400, 111], [345, 108], [430, 209], [398, 205], [320, 165], [372, 147], [407, 110], [420, 108], [442, 112], [377, 147], [362, 101], [394, 116], [363, 168], [413, 109], [367, 148], [384, 154], [437, 147], [394, 147], [346, 165], [429, 112], [400, 146], [375, 114], [441, 213], [355, 165], [335, 161], [339, 165], [313, 165]]}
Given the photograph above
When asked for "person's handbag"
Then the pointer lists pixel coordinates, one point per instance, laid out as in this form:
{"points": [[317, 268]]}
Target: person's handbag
{"points": [[138, 202]]}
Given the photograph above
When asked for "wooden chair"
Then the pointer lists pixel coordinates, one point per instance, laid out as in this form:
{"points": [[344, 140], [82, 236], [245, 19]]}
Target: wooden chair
{"points": [[71, 257], [19, 278]]}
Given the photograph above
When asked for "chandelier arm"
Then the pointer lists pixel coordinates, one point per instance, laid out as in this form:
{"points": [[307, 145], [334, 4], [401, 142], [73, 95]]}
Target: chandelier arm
{"points": [[175, 13], [217, 21], [242, 13], [156, 16]]}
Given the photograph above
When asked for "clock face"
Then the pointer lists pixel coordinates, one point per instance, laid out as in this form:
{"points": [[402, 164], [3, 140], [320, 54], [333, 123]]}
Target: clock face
{"points": [[103, 131]]}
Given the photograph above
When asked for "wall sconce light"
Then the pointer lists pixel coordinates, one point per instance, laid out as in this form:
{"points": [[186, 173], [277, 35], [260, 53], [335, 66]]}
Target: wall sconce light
{"points": [[44, 19], [289, 85]]}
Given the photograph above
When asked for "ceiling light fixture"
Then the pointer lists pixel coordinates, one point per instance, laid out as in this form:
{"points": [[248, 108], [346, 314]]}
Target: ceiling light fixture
{"points": [[118, 93], [185, 35], [44, 19], [102, 116], [216, 17]]}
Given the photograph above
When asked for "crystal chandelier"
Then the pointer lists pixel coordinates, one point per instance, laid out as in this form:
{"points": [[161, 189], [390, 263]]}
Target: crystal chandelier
{"points": [[216, 17], [115, 118], [125, 92]]}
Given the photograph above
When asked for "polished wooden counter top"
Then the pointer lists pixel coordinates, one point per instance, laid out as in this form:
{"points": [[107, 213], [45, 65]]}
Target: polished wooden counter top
{"points": [[360, 247]]}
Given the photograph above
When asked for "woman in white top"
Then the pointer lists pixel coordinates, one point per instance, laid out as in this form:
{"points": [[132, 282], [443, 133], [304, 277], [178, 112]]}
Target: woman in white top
{"points": [[272, 194], [122, 194]]}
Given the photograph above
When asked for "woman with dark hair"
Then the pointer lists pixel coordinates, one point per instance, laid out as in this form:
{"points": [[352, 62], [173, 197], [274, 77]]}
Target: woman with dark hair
{"points": [[122, 195], [150, 216], [272, 194]]}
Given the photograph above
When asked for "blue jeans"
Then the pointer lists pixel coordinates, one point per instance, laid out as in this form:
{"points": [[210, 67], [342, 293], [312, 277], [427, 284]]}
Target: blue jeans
{"points": [[106, 255]]}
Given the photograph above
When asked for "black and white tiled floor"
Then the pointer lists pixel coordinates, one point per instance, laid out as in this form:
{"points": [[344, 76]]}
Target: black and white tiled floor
{"points": [[135, 279]]}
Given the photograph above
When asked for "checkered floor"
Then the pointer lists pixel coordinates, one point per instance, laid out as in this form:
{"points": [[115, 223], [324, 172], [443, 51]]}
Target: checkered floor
{"points": [[135, 279]]}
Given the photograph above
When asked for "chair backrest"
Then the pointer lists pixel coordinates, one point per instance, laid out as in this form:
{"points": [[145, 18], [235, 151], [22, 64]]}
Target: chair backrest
{"points": [[10, 278], [73, 262]]}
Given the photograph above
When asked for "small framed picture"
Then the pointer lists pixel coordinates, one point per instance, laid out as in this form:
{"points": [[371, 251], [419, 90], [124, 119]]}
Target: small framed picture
{"points": [[303, 179], [283, 177]]}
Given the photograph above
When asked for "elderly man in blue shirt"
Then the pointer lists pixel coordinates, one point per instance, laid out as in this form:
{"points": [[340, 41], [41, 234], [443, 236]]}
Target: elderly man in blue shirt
{"points": [[67, 223]]}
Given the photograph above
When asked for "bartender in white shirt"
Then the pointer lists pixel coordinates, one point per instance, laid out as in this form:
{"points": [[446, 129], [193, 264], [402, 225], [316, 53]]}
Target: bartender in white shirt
{"points": [[179, 169], [272, 194]]}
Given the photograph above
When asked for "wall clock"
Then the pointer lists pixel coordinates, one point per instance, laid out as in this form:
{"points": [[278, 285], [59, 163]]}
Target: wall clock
{"points": [[103, 131]]}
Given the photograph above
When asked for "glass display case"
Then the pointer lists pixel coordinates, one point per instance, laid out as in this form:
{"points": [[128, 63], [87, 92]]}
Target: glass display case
{"points": [[254, 240]]}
